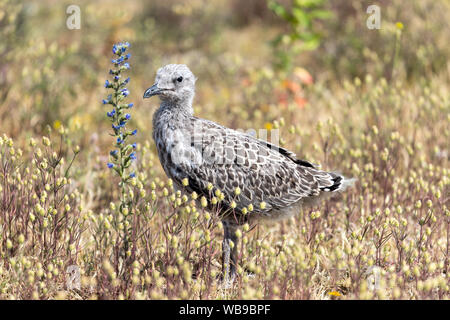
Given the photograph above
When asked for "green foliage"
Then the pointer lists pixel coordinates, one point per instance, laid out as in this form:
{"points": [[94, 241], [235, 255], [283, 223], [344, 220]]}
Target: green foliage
{"points": [[303, 35]]}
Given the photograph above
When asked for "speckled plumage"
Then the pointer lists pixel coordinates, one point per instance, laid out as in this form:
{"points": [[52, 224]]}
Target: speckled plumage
{"points": [[205, 153]]}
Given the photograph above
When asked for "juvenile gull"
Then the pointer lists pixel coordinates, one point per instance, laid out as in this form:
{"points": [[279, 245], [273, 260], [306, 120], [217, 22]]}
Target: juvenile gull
{"points": [[202, 156]]}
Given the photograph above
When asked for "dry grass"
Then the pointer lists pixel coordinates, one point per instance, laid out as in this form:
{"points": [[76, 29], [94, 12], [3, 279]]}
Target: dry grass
{"points": [[387, 238]]}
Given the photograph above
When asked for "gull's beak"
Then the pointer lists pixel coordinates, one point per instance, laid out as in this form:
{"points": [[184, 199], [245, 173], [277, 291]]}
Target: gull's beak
{"points": [[152, 91]]}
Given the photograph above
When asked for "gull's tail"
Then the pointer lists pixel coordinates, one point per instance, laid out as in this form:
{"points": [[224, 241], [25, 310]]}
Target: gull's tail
{"points": [[332, 182]]}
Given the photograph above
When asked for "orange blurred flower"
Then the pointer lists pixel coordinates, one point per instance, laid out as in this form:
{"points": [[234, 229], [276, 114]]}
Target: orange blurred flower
{"points": [[294, 87], [304, 76], [300, 101]]}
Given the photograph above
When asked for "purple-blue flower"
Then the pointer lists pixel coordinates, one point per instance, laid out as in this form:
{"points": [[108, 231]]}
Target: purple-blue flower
{"points": [[110, 165], [118, 61], [112, 113], [125, 92], [133, 133], [124, 46], [120, 48]]}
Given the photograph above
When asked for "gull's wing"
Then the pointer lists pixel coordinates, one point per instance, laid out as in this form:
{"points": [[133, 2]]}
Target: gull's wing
{"points": [[227, 159]]}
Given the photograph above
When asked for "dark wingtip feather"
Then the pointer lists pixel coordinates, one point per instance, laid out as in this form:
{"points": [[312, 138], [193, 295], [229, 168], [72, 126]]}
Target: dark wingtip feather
{"points": [[337, 181]]}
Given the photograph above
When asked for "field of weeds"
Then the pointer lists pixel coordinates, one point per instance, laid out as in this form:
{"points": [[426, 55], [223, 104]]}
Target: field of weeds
{"points": [[373, 104]]}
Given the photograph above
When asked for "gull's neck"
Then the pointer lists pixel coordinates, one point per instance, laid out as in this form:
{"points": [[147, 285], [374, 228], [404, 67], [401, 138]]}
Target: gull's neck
{"points": [[181, 107], [170, 112]]}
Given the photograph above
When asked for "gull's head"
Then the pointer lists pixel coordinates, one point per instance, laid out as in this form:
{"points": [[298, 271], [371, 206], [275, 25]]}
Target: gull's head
{"points": [[173, 83]]}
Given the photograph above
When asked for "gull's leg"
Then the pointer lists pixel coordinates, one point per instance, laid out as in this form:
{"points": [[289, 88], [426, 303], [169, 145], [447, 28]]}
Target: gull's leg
{"points": [[229, 252]]}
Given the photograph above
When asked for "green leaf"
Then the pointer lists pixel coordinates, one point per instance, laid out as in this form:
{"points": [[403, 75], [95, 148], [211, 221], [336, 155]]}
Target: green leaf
{"points": [[321, 14], [301, 17], [308, 3], [311, 44], [278, 9]]}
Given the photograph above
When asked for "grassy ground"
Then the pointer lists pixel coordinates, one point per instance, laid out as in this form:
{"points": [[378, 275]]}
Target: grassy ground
{"points": [[373, 104]]}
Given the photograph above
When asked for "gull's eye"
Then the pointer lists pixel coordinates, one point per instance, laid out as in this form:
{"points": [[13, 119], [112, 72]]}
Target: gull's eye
{"points": [[179, 79]]}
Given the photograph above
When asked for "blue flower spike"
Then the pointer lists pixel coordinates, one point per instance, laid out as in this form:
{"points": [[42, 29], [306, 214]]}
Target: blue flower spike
{"points": [[122, 156]]}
